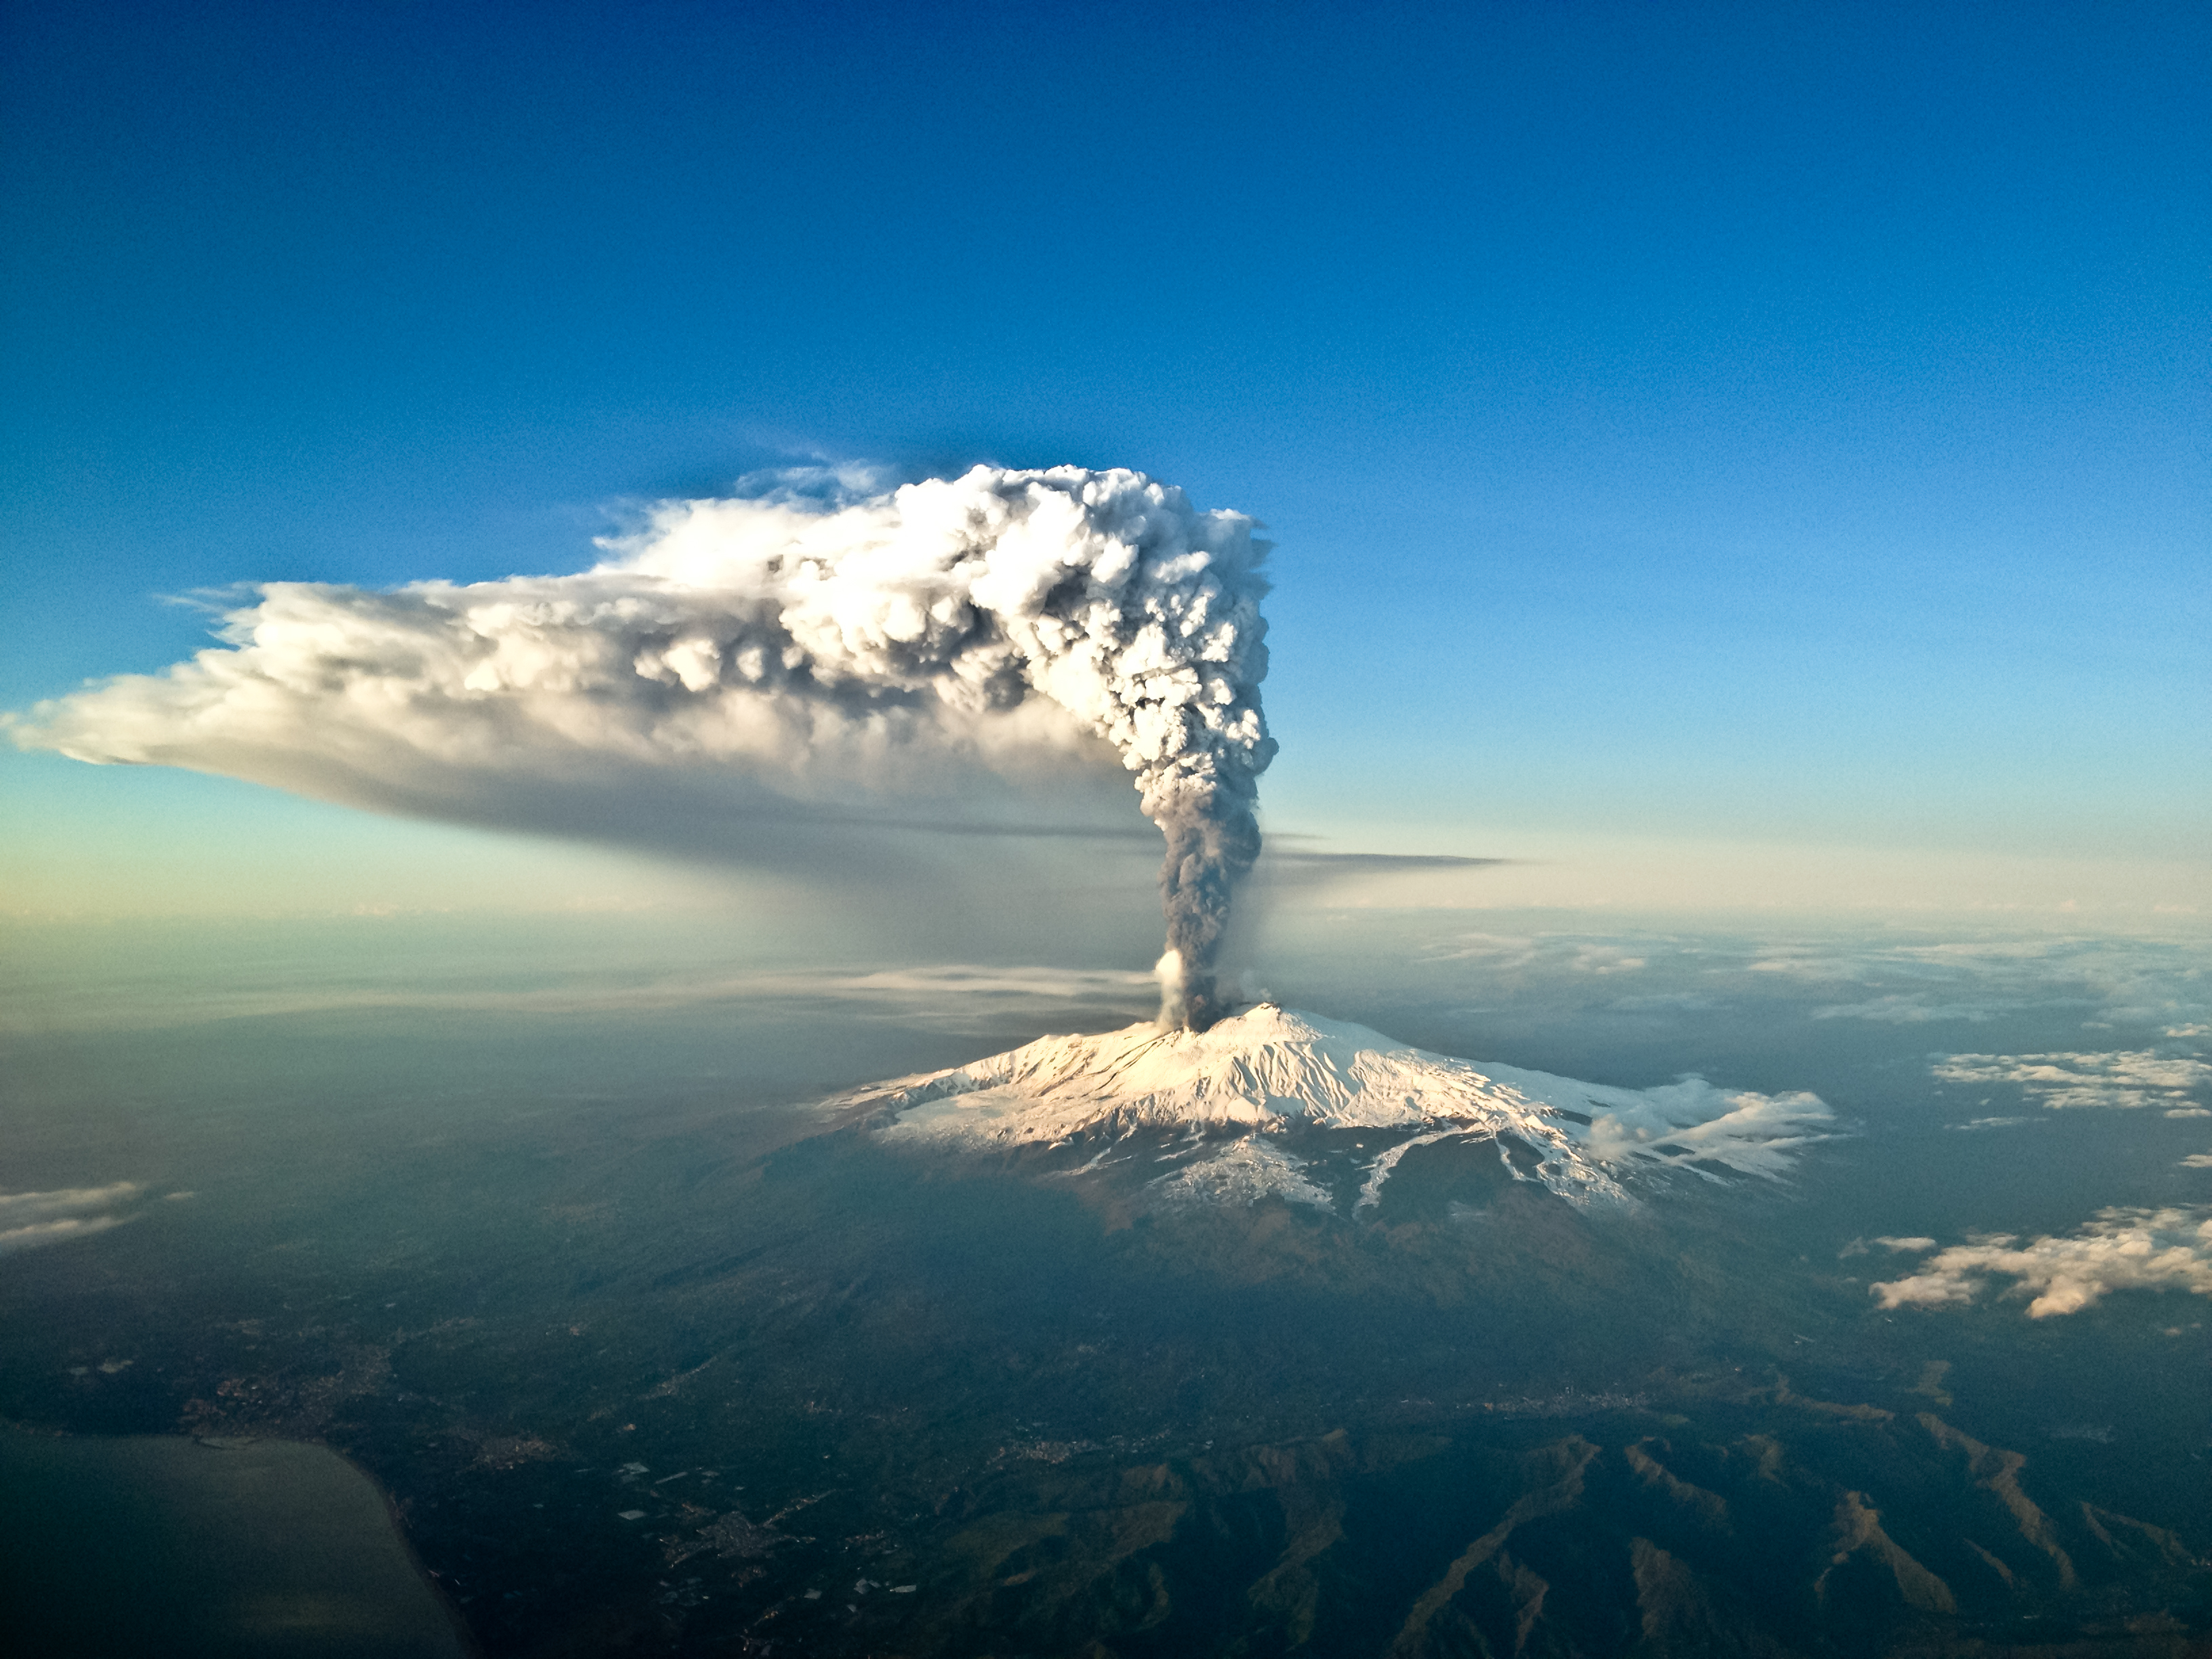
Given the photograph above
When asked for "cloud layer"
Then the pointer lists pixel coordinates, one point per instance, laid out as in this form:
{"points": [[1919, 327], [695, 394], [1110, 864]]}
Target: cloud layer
{"points": [[2125, 1079], [1690, 1124], [2121, 1249], [2160, 983], [30, 1219]]}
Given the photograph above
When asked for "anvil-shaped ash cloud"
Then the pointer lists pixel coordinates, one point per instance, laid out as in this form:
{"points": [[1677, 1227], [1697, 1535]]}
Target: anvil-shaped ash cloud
{"points": [[826, 650]]}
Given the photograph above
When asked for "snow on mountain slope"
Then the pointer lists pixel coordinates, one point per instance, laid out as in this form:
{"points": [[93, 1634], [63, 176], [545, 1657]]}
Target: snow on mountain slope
{"points": [[1265, 1072]]}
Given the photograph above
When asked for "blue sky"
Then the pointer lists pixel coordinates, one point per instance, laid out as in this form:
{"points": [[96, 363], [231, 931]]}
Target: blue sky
{"points": [[1698, 427]]}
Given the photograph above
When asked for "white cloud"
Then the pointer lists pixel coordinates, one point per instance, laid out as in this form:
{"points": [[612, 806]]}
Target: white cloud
{"points": [[1897, 1010], [1605, 960], [2189, 1111], [1790, 964], [1569, 953], [31, 1206], [1494, 949], [2155, 982], [54, 1233], [2121, 1249], [30, 1219], [1668, 1002], [2114, 980], [1691, 1123], [2197, 1161], [2123, 1079]]}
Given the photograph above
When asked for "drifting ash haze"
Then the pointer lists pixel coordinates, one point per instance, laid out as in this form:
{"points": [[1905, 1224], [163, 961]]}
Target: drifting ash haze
{"points": [[813, 653], [1240, 1093]]}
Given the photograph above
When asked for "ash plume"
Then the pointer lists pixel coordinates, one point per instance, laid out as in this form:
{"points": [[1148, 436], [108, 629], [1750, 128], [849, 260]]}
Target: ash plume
{"points": [[819, 647], [1213, 841]]}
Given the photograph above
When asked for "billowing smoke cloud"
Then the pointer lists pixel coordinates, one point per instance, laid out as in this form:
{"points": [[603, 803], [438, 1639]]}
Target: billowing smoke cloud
{"points": [[828, 649]]}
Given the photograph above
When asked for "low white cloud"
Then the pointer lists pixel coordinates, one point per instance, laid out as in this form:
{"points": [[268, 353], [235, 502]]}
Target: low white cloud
{"points": [[2122, 1249], [54, 1233], [2189, 1111], [1855, 962], [32, 1206], [1532, 957], [1605, 960], [2114, 981], [2125, 1079], [1492, 950], [1691, 1123], [1898, 1010], [1664, 1003], [2158, 983], [2197, 1161], [30, 1219]]}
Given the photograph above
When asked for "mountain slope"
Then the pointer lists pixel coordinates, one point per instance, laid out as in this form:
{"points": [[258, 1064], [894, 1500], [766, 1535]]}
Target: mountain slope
{"points": [[1268, 1078]]}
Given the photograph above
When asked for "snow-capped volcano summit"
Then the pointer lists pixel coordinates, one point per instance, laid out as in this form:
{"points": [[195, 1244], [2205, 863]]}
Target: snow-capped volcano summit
{"points": [[1246, 1091]]}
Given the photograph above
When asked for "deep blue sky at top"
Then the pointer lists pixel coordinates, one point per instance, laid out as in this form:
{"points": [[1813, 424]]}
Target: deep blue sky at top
{"points": [[1786, 417]]}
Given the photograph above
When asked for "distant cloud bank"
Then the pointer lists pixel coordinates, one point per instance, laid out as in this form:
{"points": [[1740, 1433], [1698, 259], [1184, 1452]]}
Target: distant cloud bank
{"points": [[2125, 1079]]}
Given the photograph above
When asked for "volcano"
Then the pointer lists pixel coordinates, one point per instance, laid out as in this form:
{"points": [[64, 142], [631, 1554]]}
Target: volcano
{"points": [[1256, 1104]]}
